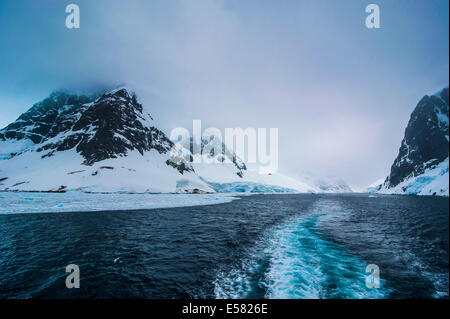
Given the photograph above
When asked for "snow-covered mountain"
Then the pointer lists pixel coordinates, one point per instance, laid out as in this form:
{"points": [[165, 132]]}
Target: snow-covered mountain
{"points": [[107, 142], [422, 164], [94, 143]]}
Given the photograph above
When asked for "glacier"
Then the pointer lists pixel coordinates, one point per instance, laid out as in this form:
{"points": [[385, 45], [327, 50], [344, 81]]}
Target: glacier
{"points": [[249, 187], [375, 186]]}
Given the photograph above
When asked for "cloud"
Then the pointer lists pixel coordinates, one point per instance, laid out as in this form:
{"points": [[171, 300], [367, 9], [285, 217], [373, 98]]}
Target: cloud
{"points": [[340, 94]]}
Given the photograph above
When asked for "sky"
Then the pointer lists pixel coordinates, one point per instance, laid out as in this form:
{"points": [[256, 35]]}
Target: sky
{"points": [[339, 93]]}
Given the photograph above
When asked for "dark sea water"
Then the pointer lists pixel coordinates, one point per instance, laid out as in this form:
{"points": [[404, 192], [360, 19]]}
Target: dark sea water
{"points": [[262, 246]]}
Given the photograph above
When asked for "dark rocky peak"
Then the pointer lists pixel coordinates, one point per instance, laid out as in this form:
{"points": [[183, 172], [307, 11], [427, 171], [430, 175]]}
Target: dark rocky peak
{"points": [[115, 124], [426, 142], [38, 123], [98, 126]]}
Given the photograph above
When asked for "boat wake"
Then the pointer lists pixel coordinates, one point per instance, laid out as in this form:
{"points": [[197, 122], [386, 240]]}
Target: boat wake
{"points": [[294, 260]]}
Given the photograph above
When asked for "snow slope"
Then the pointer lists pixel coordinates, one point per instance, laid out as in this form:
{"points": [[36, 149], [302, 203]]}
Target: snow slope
{"points": [[434, 181], [135, 173]]}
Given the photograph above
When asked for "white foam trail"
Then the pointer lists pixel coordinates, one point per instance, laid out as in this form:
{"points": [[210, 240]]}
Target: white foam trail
{"points": [[296, 262]]}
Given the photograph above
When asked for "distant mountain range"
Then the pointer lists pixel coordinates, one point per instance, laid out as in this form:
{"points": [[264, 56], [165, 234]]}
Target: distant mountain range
{"points": [[107, 142], [421, 167]]}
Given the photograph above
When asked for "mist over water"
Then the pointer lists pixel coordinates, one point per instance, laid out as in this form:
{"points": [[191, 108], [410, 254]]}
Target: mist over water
{"points": [[271, 246]]}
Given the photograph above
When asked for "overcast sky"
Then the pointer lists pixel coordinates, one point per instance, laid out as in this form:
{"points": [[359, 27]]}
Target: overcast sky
{"points": [[339, 93]]}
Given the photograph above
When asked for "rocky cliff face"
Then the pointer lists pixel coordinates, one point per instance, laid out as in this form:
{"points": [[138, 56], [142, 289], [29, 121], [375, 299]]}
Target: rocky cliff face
{"points": [[98, 127], [424, 149]]}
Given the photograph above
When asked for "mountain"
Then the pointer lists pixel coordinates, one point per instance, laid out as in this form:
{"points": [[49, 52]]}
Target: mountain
{"points": [[421, 166], [95, 143], [225, 172], [107, 142]]}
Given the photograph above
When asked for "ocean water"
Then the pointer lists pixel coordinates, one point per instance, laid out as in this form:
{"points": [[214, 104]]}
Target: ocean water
{"points": [[261, 246]]}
